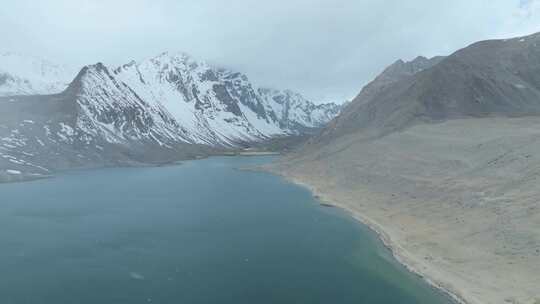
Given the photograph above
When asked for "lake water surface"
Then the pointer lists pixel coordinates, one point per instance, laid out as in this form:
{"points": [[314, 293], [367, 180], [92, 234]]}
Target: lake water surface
{"points": [[200, 232]]}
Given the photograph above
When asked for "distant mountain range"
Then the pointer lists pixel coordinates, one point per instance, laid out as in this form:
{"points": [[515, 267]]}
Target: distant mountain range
{"points": [[167, 107]]}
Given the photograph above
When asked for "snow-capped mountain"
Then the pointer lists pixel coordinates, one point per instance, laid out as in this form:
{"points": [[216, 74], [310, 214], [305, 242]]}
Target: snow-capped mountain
{"points": [[216, 106], [295, 112], [213, 106], [164, 108], [97, 121], [27, 75], [110, 110]]}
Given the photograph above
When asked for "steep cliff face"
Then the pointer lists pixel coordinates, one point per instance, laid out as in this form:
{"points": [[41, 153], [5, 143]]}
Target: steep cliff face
{"points": [[109, 109]]}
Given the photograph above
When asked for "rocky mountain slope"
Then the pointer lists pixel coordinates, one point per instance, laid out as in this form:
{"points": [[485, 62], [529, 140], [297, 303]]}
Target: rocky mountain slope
{"points": [[26, 75], [442, 160], [395, 72], [165, 108], [496, 77]]}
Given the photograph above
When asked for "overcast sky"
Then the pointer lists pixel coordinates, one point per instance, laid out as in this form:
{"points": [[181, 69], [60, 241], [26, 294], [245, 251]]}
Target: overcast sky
{"points": [[326, 49]]}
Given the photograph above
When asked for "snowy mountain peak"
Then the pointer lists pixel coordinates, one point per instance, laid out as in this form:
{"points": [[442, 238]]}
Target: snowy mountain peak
{"points": [[174, 56], [294, 111], [26, 75], [168, 61]]}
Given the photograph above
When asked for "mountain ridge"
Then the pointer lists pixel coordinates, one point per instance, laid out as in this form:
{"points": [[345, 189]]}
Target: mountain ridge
{"points": [[168, 107], [492, 77]]}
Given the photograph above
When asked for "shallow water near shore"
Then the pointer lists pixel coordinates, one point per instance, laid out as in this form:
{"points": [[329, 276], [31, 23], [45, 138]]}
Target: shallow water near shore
{"points": [[200, 232]]}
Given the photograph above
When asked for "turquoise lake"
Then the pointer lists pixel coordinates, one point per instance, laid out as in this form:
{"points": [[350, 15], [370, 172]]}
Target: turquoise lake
{"points": [[199, 232]]}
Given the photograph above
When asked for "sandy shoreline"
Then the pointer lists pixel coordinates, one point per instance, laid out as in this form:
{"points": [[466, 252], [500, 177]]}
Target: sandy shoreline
{"points": [[397, 251], [456, 202]]}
